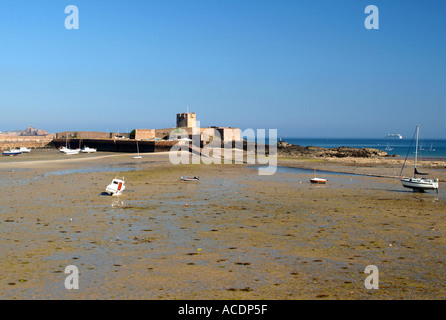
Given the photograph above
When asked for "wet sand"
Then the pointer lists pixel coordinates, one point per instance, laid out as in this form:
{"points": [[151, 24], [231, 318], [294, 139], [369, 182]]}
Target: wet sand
{"points": [[231, 235]]}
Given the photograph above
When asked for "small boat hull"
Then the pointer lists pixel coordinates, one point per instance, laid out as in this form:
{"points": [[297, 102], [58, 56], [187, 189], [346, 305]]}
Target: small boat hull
{"points": [[420, 184], [67, 151], [318, 181], [189, 178], [71, 152], [11, 153], [88, 150], [116, 187]]}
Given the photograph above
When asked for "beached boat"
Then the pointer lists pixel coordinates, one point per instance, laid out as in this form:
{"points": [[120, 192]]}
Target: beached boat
{"points": [[68, 151], [72, 151], [420, 184], [116, 187], [25, 150], [316, 180], [415, 183], [189, 178], [88, 150], [12, 152]]}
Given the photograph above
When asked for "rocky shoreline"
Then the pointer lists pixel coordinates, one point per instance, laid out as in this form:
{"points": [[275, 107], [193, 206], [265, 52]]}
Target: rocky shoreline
{"points": [[289, 150]]}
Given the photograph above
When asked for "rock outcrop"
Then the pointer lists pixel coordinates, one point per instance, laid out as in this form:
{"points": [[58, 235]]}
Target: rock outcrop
{"points": [[30, 138], [285, 149], [30, 131]]}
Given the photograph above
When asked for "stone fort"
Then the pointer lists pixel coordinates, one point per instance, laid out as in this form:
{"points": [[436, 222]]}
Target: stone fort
{"points": [[187, 122], [186, 125]]}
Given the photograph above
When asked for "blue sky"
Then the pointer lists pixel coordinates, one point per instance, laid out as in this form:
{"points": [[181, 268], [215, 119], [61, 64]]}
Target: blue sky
{"points": [[307, 68]]}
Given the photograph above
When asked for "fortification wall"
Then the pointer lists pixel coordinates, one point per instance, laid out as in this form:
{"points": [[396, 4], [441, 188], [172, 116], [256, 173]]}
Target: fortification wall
{"points": [[118, 145], [144, 134], [8, 142]]}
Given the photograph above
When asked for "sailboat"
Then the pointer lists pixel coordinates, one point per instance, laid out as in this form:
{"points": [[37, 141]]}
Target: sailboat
{"points": [[68, 151], [318, 180], [137, 148], [431, 148], [388, 148], [418, 184]]}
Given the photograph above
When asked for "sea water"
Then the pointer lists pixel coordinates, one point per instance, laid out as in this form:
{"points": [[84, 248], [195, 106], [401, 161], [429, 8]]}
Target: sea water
{"points": [[427, 148]]}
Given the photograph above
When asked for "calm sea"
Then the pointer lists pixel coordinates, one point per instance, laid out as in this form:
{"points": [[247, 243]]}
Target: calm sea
{"points": [[427, 148]]}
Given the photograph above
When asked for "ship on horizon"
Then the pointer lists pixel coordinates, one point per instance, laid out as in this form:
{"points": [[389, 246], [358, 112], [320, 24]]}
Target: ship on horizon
{"points": [[394, 136]]}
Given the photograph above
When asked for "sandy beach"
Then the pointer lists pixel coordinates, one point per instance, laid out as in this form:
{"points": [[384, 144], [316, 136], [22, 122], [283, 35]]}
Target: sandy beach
{"points": [[231, 235]]}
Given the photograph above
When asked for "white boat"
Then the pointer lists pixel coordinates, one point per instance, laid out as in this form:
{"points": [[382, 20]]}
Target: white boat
{"points": [[68, 151], [418, 184], [12, 152], [394, 136], [116, 187], [189, 178], [88, 150], [388, 148], [316, 180], [25, 150], [72, 151]]}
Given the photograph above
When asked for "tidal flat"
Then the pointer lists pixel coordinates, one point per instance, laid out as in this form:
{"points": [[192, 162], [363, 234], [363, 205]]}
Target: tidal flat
{"points": [[231, 235]]}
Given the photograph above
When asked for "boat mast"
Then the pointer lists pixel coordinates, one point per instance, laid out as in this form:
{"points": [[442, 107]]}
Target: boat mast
{"points": [[416, 151]]}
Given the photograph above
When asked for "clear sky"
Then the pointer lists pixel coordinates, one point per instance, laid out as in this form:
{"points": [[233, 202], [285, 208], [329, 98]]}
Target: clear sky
{"points": [[308, 68]]}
